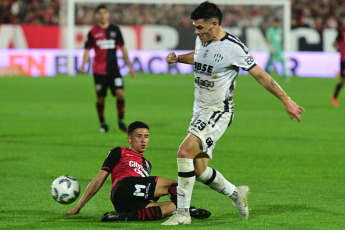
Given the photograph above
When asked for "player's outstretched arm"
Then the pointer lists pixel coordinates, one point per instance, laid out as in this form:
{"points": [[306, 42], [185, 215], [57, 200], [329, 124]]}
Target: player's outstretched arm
{"points": [[183, 58], [128, 63], [293, 110], [86, 58], [90, 191]]}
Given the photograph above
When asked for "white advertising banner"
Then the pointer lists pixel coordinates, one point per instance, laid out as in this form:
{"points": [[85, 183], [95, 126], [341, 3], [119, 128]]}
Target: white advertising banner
{"points": [[51, 62]]}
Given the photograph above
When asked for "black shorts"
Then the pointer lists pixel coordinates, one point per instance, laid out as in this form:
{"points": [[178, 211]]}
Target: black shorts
{"points": [[342, 69], [133, 193], [102, 82]]}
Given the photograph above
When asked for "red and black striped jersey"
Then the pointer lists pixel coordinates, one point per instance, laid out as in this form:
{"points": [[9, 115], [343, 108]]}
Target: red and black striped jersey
{"points": [[124, 162], [341, 42], [105, 42]]}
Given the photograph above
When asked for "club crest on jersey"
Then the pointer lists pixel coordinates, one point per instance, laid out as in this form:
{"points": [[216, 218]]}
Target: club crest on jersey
{"points": [[112, 34], [218, 57], [205, 54], [203, 68]]}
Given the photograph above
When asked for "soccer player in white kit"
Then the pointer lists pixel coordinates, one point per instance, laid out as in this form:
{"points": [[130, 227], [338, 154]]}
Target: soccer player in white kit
{"points": [[217, 58]]}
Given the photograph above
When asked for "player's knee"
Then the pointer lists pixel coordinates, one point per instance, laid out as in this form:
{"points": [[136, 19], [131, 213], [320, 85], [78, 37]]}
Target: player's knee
{"points": [[100, 100], [120, 95], [184, 153]]}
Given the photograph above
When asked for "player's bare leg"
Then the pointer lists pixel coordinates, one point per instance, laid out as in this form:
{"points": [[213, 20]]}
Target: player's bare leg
{"points": [[188, 150], [334, 97], [100, 113], [120, 105], [216, 181]]}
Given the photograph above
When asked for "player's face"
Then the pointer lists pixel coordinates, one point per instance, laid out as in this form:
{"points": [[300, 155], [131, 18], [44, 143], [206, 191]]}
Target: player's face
{"points": [[139, 140], [205, 29], [102, 16]]}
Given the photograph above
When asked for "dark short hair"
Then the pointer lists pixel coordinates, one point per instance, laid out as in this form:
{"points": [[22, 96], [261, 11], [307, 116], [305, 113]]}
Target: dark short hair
{"points": [[136, 125], [101, 6], [207, 10]]}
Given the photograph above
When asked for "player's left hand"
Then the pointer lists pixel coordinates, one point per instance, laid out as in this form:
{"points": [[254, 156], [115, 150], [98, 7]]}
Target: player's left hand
{"points": [[132, 72], [293, 110]]}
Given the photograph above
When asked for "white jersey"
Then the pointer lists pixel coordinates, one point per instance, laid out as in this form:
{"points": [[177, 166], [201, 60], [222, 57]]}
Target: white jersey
{"points": [[216, 66]]}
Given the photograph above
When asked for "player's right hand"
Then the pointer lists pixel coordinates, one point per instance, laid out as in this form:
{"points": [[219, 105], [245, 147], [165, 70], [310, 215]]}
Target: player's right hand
{"points": [[171, 58]]}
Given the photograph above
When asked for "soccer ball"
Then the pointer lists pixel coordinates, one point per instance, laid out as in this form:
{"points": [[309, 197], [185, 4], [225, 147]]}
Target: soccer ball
{"points": [[65, 189]]}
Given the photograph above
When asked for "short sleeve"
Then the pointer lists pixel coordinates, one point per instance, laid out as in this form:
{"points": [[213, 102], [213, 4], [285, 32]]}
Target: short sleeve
{"points": [[119, 38], [241, 57], [88, 43], [111, 160]]}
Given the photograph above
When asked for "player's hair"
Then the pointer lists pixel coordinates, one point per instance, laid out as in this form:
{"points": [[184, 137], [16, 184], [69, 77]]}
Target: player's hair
{"points": [[101, 6], [136, 125], [207, 10]]}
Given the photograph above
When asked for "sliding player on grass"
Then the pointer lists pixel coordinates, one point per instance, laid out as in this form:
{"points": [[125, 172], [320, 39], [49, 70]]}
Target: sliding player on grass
{"points": [[105, 38], [217, 58], [133, 189]]}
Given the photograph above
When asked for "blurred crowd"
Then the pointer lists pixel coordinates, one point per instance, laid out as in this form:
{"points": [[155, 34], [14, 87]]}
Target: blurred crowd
{"points": [[38, 12], [316, 14]]}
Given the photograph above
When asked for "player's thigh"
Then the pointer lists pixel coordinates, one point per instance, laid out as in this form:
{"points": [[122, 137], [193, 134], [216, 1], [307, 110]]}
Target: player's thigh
{"points": [[162, 186], [209, 126], [190, 147], [133, 193], [167, 207], [100, 85]]}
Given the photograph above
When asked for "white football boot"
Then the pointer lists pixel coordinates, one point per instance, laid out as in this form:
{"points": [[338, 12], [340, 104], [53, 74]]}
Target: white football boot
{"points": [[177, 219], [241, 201]]}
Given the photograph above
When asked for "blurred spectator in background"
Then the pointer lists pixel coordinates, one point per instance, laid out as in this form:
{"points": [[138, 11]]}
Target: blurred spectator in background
{"points": [[29, 11], [317, 14]]}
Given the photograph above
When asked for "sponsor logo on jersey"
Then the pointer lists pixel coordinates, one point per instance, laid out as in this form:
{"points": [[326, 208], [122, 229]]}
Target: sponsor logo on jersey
{"points": [[138, 168], [203, 68], [204, 83], [106, 44]]}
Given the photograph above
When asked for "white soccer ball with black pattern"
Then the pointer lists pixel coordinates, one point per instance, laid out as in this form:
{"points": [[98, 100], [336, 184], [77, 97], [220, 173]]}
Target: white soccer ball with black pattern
{"points": [[65, 189]]}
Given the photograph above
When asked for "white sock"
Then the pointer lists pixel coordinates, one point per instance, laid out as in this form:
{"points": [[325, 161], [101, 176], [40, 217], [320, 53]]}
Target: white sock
{"points": [[216, 181], [186, 179]]}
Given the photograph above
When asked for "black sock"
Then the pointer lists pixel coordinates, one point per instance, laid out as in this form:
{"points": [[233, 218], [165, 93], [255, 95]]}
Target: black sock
{"points": [[337, 89], [172, 192], [150, 213], [100, 112], [120, 105]]}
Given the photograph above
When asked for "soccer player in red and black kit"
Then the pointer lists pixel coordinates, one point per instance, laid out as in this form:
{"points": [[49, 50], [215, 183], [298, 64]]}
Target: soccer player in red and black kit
{"points": [[134, 192], [339, 44], [105, 38]]}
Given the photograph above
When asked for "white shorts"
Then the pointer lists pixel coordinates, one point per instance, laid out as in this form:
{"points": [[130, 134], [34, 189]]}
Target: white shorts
{"points": [[209, 126]]}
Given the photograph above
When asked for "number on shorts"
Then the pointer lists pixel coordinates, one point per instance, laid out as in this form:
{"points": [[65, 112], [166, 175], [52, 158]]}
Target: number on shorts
{"points": [[200, 125], [138, 188], [118, 82]]}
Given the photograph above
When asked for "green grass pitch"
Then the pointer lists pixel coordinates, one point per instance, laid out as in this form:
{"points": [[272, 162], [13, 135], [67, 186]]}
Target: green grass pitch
{"points": [[48, 128]]}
